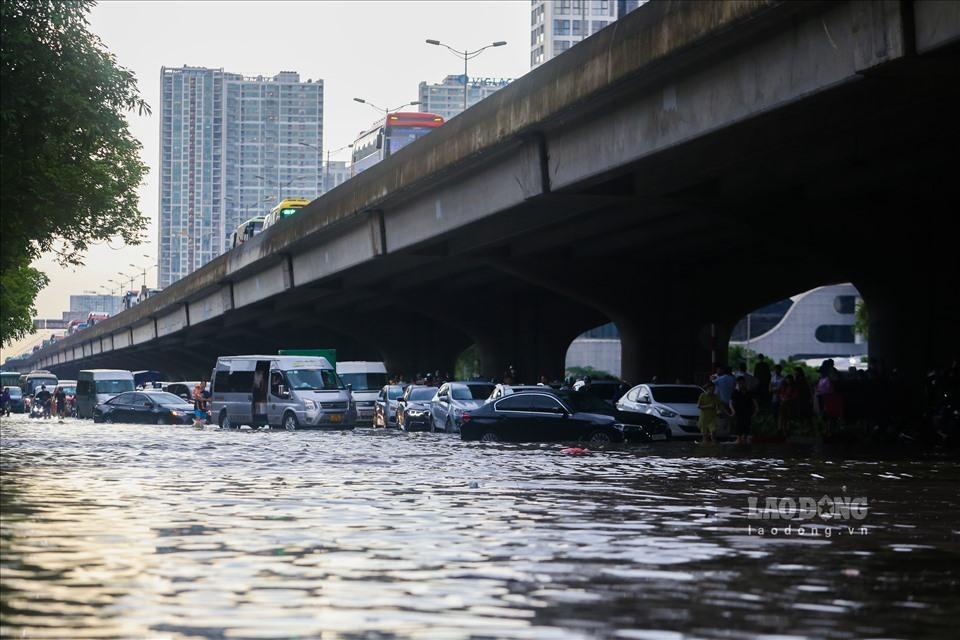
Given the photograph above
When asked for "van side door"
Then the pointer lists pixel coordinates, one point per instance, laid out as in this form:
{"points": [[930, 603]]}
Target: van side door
{"points": [[279, 398]]}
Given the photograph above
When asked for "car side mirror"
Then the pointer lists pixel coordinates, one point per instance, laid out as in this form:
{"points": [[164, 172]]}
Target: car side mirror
{"points": [[349, 387]]}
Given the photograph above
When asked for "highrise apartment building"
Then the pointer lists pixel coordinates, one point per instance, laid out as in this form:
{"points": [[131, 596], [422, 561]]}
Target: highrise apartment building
{"points": [[231, 147], [446, 98], [557, 25]]}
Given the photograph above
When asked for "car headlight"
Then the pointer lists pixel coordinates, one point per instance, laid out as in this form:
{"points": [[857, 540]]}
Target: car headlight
{"points": [[310, 405], [666, 413], [177, 414], [416, 413]]}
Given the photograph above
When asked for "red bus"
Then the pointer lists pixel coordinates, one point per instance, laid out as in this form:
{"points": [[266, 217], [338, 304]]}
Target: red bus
{"points": [[389, 135]]}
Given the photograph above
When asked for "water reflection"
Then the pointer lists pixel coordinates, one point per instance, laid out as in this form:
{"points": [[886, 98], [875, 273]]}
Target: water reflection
{"points": [[134, 531]]}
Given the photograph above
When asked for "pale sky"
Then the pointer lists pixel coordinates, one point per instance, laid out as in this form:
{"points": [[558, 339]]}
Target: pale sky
{"points": [[371, 50]]}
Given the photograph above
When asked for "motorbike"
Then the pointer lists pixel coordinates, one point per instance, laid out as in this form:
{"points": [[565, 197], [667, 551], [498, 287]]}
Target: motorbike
{"points": [[36, 410]]}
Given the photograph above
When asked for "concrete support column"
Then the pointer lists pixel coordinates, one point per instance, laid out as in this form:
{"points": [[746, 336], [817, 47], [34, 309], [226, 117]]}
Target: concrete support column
{"points": [[671, 345], [914, 320]]}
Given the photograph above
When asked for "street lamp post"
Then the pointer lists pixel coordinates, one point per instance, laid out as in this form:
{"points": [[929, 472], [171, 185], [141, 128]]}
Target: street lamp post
{"points": [[466, 55], [386, 112], [143, 271]]}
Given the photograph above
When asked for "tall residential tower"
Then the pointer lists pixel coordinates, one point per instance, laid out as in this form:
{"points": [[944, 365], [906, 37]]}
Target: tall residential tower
{"points": [[230, 148], [446, 98], [557, 25]]}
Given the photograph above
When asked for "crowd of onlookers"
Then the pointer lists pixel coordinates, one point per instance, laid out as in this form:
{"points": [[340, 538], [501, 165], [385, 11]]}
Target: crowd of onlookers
{"points": [[875, 398]]}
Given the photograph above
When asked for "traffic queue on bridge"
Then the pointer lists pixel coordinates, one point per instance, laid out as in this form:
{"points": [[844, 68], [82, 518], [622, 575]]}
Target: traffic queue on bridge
{"points": [[294, 391]]}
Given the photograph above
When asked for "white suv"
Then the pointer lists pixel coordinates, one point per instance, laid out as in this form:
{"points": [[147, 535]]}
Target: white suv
{"points": [[675, 403]]}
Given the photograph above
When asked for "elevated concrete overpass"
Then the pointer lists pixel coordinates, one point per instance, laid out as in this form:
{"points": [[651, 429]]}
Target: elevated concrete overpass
{"points": [[691, 162]]}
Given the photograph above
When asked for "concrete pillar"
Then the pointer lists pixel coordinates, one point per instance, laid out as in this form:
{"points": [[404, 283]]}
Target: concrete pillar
{"points": [[671, 344]]}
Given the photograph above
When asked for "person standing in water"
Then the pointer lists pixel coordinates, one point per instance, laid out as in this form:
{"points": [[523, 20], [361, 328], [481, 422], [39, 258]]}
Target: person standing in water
{"points": [[710, 407]]}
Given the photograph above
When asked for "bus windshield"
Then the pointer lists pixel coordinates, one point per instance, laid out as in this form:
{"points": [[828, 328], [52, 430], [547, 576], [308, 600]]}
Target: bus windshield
{"points": [[399, 137], [10, 378], [34, 384], [313, 379]]}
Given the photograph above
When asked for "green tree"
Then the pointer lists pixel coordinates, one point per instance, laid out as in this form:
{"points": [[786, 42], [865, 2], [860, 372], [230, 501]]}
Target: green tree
{"points": [[18, 288], [70, 167], [468, 363], [861, 319]]}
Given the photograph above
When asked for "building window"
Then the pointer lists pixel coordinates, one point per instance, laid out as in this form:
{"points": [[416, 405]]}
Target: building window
{"points": [[561, 27], [845, 304], [835, 333]]}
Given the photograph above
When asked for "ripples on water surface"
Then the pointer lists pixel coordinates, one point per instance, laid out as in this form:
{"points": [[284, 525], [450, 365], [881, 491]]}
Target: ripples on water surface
{"points": [[141, 531]]}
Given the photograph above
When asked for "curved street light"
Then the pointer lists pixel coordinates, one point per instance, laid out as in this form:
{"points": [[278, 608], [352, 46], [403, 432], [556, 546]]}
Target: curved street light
{"points": [[386, 112], [466, 55]]}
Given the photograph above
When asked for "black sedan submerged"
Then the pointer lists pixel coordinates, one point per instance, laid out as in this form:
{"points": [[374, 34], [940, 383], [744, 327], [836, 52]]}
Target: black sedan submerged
{"points": [[149, 407], [537, 416]]}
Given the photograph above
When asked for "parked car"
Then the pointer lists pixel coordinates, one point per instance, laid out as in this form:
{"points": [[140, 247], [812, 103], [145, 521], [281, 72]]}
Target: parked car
{"points": [[183, 389], [536, 416], [452, 399], [147, 407], [675, 403], [16, 400], [501, 390], [636, 427], [385, 407], [413, 408], [607, 390]]}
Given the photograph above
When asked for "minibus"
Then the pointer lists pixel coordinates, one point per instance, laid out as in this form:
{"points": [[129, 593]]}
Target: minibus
{"points": [[95, 386], [293, 392], [364, 380]]}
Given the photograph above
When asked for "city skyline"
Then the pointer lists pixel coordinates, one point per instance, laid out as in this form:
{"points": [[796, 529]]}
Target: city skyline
{"points": [[138, 34]]}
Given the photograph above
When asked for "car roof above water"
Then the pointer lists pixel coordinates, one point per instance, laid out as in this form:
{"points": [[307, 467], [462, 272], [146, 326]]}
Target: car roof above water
{"points": [[283, 362]]}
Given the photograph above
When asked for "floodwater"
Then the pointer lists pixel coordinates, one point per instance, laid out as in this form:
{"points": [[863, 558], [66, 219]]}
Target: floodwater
{"points": [[167, 532]]}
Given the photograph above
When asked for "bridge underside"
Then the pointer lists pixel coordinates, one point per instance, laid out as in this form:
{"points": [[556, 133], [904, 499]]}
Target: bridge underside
{"points": [[671, 203]]}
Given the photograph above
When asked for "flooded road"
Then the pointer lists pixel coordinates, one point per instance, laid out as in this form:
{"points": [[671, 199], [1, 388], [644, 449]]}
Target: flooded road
{"points": [[166, 532]]}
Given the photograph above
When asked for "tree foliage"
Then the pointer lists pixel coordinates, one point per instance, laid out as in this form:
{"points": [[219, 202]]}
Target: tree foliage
{"points": [[70, 167], [861, 319], [18, 288]]}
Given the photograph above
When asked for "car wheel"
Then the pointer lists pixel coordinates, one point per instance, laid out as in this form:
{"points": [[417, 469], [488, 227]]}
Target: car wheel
{"points": [[290, 421], [224, 420], [599, 438], [433, 425], [160, 420], [489, 436]]}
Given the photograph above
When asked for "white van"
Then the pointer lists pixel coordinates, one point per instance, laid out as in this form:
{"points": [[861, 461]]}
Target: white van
{"points": [[294, 392], [95, 386], [365, 380]]}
